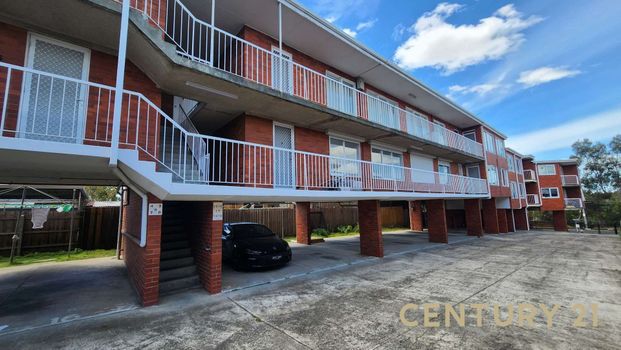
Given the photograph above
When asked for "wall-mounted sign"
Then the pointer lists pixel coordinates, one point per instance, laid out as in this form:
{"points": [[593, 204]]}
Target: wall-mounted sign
{"points": [[218, 209], [155, 209]]}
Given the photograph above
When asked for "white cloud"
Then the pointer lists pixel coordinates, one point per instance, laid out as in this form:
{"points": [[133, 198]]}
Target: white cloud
{"points": [[480, 89], [366, 25], [350, 32], [450, 48], [398, 31], [596, 127], [544, 75]]}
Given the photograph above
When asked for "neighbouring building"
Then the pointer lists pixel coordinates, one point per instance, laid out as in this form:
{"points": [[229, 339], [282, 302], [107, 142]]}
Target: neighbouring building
{"points": [[239, 101]]}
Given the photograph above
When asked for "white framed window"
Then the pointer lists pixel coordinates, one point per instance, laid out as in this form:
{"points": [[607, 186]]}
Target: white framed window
{"points": [[489, 142], [546, 169], [472, 135], [500, 147], [382, 158], [549, 192], [518, 165], [504, 177], [341, 94], [444, 168], [514, 190], [511, 162], [473, 171], [492, 175], [522, 190], [346, 156]]}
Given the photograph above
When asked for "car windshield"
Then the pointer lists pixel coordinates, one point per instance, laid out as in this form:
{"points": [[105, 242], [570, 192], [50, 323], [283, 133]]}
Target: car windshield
{"points": [[246, 231]]}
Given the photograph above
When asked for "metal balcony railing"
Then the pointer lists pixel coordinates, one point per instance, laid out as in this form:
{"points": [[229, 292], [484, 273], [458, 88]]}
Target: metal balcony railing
{"points": [[573, 203], [44, 106], [532, 200], [202, 42], [570, 180], [529, 175]]}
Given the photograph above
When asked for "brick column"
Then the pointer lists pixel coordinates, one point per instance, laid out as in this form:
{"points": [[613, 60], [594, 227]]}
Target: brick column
{"points": [[370, 221], [490, 217], [474, 220], [302, 222], [510, 222], [521, 219], [207, 245], [502, 221], [143, 263], [436, 215], [416, 216], [559, 220]]}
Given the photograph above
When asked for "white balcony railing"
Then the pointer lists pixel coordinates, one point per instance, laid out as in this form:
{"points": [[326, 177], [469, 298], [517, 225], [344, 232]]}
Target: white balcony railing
{"points": [[529, 175], [204, 43], [532, 200], [43, 106], [570, 180], [573, 203]]}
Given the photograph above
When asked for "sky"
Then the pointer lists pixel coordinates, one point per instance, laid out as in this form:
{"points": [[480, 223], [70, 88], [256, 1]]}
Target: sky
{"points": [[545, 73]]}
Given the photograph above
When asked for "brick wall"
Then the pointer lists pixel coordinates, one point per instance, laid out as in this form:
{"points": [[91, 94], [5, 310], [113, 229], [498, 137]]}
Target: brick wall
{"points": [[490, 216], [436, 216], [370, 221], [206, 237], [12, 50], [547, 181], [143, 264], [416, 216], [302, 222], [474, 221]]}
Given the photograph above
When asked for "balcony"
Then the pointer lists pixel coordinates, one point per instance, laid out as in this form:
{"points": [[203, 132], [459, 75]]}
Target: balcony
{"points": [[40, 106], [570, 180], [573, 203], [529, 175], [532, 200], [206, 44]]}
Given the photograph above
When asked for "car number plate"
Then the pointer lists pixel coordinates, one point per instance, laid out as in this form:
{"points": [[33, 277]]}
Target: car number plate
{"points": [[276, 257]]}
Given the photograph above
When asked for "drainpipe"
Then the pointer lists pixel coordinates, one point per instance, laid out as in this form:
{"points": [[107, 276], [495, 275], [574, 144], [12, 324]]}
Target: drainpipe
{"points": [[116, 124]]}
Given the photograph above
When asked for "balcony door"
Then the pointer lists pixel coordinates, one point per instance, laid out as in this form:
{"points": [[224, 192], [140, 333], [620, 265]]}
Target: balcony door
{"points": [[422, 169], [282, 71], [284, 161], [53, 108], [341, 94]]}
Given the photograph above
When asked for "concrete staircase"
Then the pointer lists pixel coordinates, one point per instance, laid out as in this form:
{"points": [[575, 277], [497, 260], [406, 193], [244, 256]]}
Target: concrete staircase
{"points": [[177, 268]]}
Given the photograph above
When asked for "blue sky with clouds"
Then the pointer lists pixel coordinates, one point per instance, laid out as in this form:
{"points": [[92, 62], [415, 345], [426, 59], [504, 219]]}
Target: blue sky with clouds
{"points": [[544, 72]]}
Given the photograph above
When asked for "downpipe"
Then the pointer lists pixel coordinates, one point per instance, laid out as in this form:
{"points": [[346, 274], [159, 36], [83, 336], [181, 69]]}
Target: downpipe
{"points": [[145, 205]]}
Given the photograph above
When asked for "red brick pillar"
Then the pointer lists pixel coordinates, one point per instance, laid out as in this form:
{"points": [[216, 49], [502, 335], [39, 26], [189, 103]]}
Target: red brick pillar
{"points": [[416, 216], [302, 222], [502, 221], [370, 221], [436, 215], [559, 220], [510, 221], [474, 221], [207, 244], [143, 263], [521, 219], [490, 217]]}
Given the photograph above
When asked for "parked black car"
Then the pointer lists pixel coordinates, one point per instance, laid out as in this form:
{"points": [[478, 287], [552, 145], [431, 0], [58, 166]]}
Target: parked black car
{"points": [[248, 245]]}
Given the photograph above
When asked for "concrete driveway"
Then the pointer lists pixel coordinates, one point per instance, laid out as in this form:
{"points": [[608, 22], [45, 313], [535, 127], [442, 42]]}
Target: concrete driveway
{"points": [[358, 305]]}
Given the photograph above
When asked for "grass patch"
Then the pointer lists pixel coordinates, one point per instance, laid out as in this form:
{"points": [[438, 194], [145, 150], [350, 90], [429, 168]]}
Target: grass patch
{"points": [[39, 257], [343, 233]]}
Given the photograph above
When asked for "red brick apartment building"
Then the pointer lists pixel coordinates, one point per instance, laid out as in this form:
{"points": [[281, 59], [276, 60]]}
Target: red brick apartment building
{"points": [[553, 186], [242, 101]]}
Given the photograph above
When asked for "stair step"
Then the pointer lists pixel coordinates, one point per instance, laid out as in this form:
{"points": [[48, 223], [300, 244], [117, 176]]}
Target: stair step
{"points": [[176, 263], [179, 285], [173, 237], [177, 273], [173, 229], [167, 246], [174, 254]]}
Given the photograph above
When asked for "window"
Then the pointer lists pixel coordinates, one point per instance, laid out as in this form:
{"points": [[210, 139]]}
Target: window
{"points": [[514, 190], [511, 162], [473, 171], [346, 155], [500, 147], [382, 158], [551, 192], [518, 165], [504, 177], [472, 135], [341, 94], [522, 191], [492, 175], [489, 142], [546, 169], [444, 169]]}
